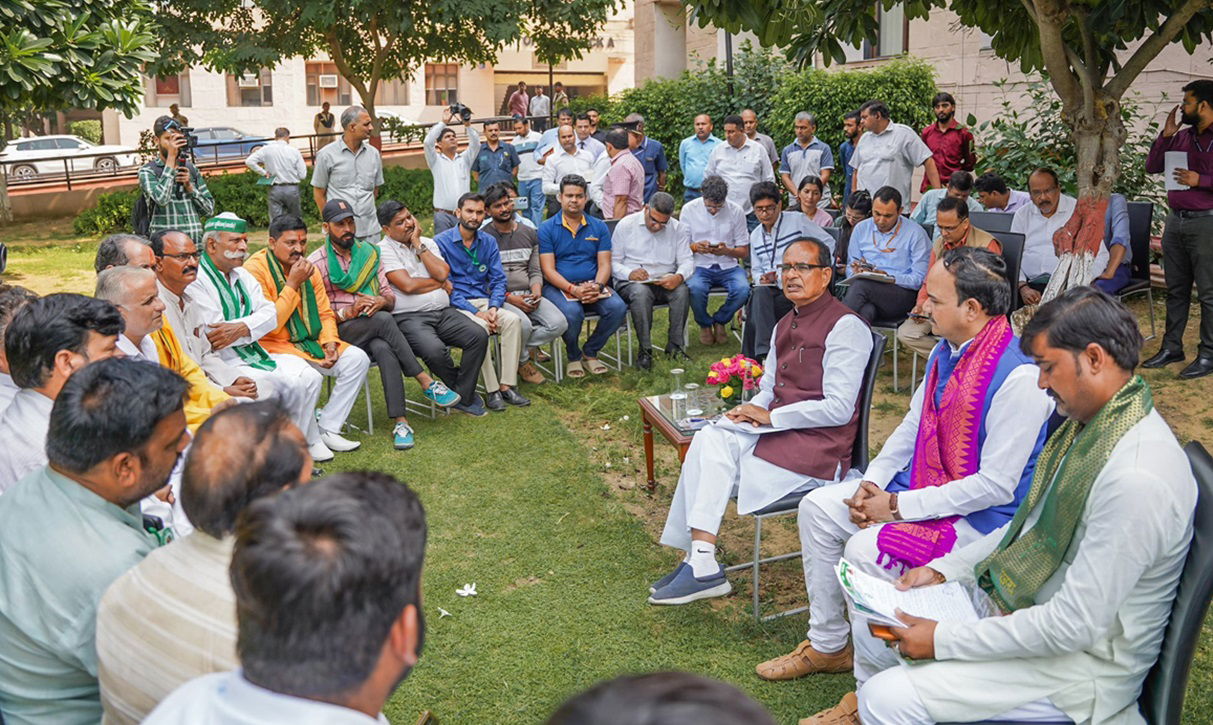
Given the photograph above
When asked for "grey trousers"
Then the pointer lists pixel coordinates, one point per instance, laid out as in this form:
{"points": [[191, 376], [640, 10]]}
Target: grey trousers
{"points": [[540, 327], [443, 222], [284, 199], [1187, 259], [642, 297]]}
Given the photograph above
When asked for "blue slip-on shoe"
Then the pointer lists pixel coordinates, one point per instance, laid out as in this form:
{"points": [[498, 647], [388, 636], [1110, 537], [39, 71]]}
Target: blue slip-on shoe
{"points": [[441, 394], [667, 578], [402, 437], [685, 588], [475, 408]]}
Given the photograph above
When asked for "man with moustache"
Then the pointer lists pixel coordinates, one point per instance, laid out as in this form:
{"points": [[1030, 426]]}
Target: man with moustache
{"points": [[852, 129], [1039, 222], [450, 167], [952, 145], [234, 314], [306, 325], [693, 153], [350, 168], [807, 407], [360, 296]]}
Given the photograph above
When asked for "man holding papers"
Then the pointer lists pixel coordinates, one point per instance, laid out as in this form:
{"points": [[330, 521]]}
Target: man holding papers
{"points": [[954, 469], [795, 435], [1086, 570]]}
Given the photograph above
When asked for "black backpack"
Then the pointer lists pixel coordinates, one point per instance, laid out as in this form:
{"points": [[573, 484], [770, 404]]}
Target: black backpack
{"points": [[144, 208]]}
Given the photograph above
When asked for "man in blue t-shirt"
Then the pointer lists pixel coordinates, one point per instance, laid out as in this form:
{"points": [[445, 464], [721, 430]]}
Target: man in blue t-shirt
{"points": [[649, 152], [852, 130]]}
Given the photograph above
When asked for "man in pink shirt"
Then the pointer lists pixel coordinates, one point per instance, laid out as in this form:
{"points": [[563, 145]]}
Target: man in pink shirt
{"points": [[519, 100], [623, 188]]}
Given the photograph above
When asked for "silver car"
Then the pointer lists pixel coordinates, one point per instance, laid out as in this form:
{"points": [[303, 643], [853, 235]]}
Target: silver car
{"points": [[25, 158]]}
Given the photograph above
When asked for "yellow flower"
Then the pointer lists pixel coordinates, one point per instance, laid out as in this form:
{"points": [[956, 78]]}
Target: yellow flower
{"points": [[725, 361], [756, 370], [726, 391]]}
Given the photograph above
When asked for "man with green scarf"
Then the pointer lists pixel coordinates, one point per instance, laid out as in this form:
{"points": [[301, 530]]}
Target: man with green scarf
{"points": [[1086, 571]]}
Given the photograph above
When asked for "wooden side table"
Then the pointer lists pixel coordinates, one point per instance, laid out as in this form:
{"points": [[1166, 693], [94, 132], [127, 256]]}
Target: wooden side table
{"points": [[653, 416]]}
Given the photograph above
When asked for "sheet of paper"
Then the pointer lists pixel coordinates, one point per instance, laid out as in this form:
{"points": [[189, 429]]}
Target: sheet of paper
{"points": [[880, 600], [1173, 160], [874, 276]]}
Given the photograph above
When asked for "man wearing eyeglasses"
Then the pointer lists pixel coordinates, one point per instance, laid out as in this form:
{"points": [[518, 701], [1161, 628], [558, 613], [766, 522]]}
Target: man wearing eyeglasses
{"points": [[955, 231], [886, 261], [797, 433]]}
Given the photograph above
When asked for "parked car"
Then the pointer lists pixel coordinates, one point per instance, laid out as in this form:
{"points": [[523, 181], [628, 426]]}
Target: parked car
{"points": [[25, 158], [218, 143]]}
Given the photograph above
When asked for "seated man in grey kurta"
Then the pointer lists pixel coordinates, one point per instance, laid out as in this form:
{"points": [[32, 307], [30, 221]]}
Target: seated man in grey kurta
{"points": [[70, 528]]}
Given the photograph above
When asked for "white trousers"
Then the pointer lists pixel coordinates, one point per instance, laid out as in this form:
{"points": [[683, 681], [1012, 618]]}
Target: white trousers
{"points": [[889, 698], [509, 336], [350, 373], [827, 535], [295, 385], [720, 461]]}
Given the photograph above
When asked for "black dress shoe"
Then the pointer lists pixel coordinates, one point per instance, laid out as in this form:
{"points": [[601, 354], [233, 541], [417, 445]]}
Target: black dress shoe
{"points": [[494, 402], [674, 352], [1199, 368], [1163, 357], [644, 360], [513, 397]]}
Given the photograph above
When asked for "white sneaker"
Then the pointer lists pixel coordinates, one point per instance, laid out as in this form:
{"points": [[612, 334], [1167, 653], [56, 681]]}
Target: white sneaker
{"points": [[338, 444], [320, 452]]}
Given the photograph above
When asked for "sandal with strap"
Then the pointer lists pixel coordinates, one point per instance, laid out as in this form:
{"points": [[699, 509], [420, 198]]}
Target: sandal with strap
{"points": [[846, 712], [575, 369]]}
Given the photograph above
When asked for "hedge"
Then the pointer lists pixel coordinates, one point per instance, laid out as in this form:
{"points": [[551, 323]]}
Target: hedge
{"points": [[239, 193]]}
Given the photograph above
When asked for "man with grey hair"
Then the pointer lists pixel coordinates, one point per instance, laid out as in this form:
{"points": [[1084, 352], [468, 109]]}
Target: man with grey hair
{"points": [[806, 155], [651, 261], [351, 169], [282, 167], [649, 152], [119, 250]]}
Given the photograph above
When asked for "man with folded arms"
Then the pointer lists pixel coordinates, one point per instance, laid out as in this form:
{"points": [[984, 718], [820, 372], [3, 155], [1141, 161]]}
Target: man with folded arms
{"points": [[235, 315], [307, 327], [795, 435], [719, 239], [478, 290], [1086, 571], [360, 297], [954, 470], [651, 261]]}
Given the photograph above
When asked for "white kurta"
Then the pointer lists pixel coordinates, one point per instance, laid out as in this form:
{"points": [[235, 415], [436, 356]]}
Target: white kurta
{"points": [[23, 428], [8, 390], [1098, 625], [183, 318], [721, 457]]}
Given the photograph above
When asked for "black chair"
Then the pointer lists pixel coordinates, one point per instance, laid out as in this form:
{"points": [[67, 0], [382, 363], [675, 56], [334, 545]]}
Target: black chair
{"points": [[834, 212], [1141, 214], [611, 224], [930, 230], [991, 221], [789, 504]]}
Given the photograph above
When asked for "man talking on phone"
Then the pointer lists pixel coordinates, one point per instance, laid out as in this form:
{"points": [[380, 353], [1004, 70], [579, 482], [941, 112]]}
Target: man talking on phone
{"points": [[719, 240], [174, 189]]}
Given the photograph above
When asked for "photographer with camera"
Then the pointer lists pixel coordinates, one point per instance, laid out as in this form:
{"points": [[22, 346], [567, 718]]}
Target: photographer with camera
{"points": [[452, 168], [174, 193]]}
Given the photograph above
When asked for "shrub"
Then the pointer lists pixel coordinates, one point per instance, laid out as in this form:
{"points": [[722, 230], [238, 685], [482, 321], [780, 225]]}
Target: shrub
{"points": [[89, 130]]}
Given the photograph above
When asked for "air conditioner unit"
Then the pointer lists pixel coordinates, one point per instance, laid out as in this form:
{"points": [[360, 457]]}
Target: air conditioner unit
{"points": [[248, 80], [328, 80]]}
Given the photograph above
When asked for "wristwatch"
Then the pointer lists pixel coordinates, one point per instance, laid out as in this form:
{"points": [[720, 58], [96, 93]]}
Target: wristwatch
{"points": [[893, 507]]}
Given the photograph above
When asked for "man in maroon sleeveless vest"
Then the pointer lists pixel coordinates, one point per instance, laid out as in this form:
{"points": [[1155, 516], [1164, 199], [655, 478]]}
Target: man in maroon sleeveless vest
{"points": [[797, 433]]}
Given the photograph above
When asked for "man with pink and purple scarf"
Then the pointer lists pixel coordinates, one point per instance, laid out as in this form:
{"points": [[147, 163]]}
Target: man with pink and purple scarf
{"points": [[954, 470]]}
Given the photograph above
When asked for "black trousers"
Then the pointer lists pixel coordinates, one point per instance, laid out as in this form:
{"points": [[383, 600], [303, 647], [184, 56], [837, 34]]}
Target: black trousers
{"points": [[379, 336], [766, 307], [1187, 254], [432, 334], [879, 302]]}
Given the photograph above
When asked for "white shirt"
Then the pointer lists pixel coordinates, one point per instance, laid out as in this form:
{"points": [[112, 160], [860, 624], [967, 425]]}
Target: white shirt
{"points": [[452, 176], [185, 323], [541, 105], [634, 247], [23, 427], [1017, 411], [592, 145], [261, 321], [602, 165], [1038, 254], [226, 698], [741, 168], [727, 226], [395, 256], [561, 163], [889, 158], [145, 350], [8, 390], [281, 161], [529, 167]]}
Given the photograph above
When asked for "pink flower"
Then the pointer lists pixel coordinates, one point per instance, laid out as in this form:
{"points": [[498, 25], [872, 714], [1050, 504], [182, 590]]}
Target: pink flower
{"points": [[748, 384]]}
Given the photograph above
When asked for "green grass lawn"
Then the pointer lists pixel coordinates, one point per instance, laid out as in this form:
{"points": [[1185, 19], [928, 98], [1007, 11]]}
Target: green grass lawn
{"points": [[546, 511]]}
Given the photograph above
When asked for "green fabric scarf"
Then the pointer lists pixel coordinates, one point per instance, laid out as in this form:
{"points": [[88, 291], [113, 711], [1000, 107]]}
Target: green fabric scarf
{"points": [[363, 275], [304, 323], [236, 304], [1065, 472]]}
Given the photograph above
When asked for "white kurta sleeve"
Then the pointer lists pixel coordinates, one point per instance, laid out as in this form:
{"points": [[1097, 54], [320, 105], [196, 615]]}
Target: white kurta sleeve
{"points": [[958, 564], [847, 348], [1018, 410], [898, 448], [766, 384]]}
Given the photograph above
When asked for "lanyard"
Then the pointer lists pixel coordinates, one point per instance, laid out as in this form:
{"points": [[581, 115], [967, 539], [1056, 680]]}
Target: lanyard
{"points": [[774, 239], [473, 255], [893, 236]]}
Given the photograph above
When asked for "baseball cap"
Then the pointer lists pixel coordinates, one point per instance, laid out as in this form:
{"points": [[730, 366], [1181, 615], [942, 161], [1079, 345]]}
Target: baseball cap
{"points": [[337, 209]]}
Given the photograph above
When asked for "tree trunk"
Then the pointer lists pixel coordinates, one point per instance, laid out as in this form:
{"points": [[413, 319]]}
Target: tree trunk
{"points": [[6, 207]]}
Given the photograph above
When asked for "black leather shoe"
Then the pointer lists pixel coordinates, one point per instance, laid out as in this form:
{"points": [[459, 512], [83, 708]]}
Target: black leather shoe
{"points": [[1163, 357], [494, 402], [644, 360], [513, 397], [1199, 368], [674, 352]]}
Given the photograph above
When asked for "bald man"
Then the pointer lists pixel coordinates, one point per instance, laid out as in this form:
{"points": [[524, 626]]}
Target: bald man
{"points": [[178, 602]]}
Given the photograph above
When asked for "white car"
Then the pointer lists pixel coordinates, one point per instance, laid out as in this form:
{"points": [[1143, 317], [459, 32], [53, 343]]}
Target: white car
{"points": [[24, 158]]}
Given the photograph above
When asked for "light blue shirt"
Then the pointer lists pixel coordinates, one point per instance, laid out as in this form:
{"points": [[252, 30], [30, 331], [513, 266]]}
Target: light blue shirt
{"points": [[904, 252], [693, 158], [1116, 227], [924, 213], [767, 248]]}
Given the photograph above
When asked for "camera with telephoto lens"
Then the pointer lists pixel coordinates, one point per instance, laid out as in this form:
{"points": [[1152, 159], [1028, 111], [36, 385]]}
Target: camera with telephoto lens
{"points": [[458, 109]]}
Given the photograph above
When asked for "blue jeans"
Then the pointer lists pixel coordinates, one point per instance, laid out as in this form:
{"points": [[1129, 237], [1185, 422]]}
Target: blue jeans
{"points": [[611, 313], [1122, 277], [532, 191], [691, 194], [704, 279]]}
